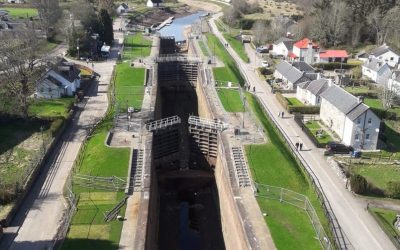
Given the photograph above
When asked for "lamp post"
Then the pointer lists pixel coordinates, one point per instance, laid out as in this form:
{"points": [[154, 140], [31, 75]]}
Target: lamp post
{"points": [[77, 46]]}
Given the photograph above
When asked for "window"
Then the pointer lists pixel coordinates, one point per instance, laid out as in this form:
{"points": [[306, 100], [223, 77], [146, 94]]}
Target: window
{"points": [[369, 120], [356, 137], [358, 120], [367, 136]]}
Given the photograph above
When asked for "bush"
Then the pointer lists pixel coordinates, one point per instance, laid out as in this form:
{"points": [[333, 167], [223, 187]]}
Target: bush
{"points": [[384, 114], [358, 184], [333, 66], [56, 125], [264, 71], [393, 189], [282, 100], [303, 109]]}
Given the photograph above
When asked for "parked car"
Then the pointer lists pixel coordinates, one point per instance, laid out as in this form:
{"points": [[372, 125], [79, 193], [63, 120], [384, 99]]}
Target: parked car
{"points": [[265, 64], [338, 148]]}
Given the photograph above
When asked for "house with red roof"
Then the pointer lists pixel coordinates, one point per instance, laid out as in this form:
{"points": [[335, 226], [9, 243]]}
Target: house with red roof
{"points": [[307, 51]]}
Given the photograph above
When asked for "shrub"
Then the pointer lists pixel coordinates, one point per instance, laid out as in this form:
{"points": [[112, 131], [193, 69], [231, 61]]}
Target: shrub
{"points": [[56, 125], [264, 71], [358, 184], [333, 66], [303, 109], [384, 114], [393, 189], [282, 100]]}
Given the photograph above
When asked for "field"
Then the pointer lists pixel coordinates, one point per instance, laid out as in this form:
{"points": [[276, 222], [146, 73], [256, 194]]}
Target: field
{"points": [[313, 126], [229, 73], [136, 46], [129, 86], [273, 164], [385, 219], [294, 101], [273, 8], [21, 12], [230, 99], [237, 45], [88, 229], [50, 108], [203, 48], [378, 175]]}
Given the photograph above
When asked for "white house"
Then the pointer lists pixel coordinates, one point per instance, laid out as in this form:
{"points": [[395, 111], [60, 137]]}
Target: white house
{"points": [[386, 54], [154, 3], [352, 120], [309, 92], [16, 1], [376, 70], [290, 75], [62, 80], [305, 51], [394, 81], [122, 8], [283, 46]]}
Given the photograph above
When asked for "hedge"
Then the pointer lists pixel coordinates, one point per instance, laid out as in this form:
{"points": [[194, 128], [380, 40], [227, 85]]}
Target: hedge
{"points": [[384, 114], [359, 184], [333, 66], [56, 125], [393, 189], [296, 109]]}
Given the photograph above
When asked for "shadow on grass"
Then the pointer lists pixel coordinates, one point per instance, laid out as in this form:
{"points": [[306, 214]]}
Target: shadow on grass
{"points": [[87, 244], [392, 139], [15, 131]]}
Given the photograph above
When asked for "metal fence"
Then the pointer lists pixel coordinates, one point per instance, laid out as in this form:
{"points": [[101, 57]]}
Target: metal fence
{"points": [[298, 200]]}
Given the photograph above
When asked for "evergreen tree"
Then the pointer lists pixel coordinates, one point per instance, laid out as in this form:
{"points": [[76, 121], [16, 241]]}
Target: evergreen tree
{"points": [[107, 33]]}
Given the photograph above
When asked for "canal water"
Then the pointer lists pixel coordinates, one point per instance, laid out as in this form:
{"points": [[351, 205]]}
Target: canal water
{"points": [[178, 25]]}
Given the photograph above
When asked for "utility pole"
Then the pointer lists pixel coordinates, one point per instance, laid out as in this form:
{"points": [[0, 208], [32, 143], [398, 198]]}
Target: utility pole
{"points": [[77, 46]]}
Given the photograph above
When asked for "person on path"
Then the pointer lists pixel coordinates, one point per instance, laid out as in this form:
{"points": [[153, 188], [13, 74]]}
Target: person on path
{"points": [[301, 146], [283, 113], [254, 89], [297, 146]]}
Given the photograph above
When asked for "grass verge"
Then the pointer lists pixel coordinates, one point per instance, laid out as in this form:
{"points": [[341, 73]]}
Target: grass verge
{"points": [[21, 12], [230, 99], [273, 164], [385, 219], [229, 73], [129, 86], [203, 48], [293, 101], [50, 108], [136, 46], [238, 46]]}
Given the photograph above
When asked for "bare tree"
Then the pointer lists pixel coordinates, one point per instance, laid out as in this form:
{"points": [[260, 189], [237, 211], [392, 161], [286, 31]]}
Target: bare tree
{"points": [[260, 32], [389, 92], [49, 13], [339, 23], [231, 16], [23, 65]]}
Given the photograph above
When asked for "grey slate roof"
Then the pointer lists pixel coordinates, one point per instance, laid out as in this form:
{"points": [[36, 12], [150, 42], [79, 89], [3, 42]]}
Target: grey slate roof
{"points": [[316, 87], [304, 85], [374, 64], [286, 41], [303, 66], [344, 101], [382, 50], [289, 72]]}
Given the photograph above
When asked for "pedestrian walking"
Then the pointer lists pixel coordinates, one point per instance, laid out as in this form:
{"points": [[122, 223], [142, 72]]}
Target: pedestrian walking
{"points": [[301, 145], [297, 146], [283, 113], [254, 89]]}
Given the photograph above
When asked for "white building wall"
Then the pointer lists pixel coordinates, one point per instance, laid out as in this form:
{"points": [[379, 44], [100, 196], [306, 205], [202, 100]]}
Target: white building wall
{"points": [[373, 75], [280, 49], [332, 117], [348, 135], [300, 94], [368, 133], [390, 57]]}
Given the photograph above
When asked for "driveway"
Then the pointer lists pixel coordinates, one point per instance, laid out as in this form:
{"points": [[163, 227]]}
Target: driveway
{"points": [[359, 226], [38, 219]]}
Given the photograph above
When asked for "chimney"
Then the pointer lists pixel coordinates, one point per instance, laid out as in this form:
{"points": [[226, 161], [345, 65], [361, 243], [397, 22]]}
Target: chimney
{"points": [[360, 99]]}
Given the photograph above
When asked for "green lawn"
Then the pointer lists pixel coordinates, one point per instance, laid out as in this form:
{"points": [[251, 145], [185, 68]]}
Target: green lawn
{"points": [[237, 45], [136, 46], [273, 164], [290, 226], [50, 108], [314, 126], [230, 99], [378, 175], [294, 101], [360, 89], [88, 229], [386, 220], [229, 73], [203, 48], [21, 12], [129, 86]]}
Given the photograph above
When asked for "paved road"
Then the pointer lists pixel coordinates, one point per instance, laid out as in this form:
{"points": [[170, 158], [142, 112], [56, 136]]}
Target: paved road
{"points": [[37, 221], [361, 229]]}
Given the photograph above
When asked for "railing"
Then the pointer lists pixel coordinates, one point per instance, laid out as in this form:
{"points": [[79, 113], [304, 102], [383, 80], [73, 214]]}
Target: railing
{"points": [[340, 238], [212, 124], [298, 200], [163, 123]]}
